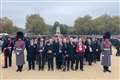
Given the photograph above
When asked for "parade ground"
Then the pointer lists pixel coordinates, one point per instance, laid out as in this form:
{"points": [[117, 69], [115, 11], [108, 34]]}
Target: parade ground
{"points": [[93, 72]]}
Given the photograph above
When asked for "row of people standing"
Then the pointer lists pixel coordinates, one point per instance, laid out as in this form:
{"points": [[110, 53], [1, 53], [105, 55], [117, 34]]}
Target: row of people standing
{"points": [[66, 52]]}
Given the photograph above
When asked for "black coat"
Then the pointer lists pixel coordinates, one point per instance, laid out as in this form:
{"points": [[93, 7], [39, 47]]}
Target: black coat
{"points": [[31, 55], [68, 49], [49, 48]]}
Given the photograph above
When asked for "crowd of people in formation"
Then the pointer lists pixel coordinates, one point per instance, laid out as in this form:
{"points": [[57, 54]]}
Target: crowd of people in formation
{"points": [[61, 53]]}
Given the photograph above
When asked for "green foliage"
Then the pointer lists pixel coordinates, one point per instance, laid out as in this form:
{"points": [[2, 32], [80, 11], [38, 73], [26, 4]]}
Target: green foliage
{"points": [[98, 25], [35, 24]]}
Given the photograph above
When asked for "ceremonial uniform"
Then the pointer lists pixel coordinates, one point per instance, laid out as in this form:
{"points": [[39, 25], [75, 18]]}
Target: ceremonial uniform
{"points": [[106, 52], [19, 50]]}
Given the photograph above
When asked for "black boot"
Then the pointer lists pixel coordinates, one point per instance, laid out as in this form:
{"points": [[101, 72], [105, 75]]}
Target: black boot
{"points": [[107, 69]]}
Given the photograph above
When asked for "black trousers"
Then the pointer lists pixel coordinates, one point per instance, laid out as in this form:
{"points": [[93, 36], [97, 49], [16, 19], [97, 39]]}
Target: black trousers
{"points": [[89, 58], [98, 56], [44, 60], [94, 56], [59, 61], [50, 62], [66, 63], [31, 64], [40, 61], [8, 59], [79, 59]]}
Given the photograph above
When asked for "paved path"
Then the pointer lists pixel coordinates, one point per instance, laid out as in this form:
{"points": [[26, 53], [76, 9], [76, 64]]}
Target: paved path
{"points": [[93, 72]]}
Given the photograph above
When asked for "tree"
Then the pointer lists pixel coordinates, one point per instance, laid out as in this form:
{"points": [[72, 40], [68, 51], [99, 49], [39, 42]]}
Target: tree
{"points": [[6, 25], [83, 25], [35, 24]]}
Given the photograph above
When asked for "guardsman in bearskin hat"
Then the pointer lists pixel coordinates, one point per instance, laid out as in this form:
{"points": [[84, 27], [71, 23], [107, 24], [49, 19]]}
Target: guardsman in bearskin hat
{"points": [[19, 50], [7, 49], [106, 52]]}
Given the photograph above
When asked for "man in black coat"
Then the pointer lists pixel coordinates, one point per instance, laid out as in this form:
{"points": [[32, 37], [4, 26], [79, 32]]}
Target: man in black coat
{"points": [[49, 54], [68, 51], [57, 46], [89, 51], [40, 53], [31, 56]]}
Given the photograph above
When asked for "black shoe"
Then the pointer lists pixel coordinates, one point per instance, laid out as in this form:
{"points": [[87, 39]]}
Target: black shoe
{"points": [[72, 69], [76, 69], [67, 69], [48, 69], [17, 70], [108, 71], [4, 67], [104, 70], [33, 68], [29, 69], [20, 70], [81, 69], [64, 69]]}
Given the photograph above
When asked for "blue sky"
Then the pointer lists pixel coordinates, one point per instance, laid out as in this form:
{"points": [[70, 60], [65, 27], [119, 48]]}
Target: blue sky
{"points": [[64, 11]]}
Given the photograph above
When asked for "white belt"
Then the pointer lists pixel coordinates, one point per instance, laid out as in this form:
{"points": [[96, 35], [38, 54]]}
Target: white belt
{"points": [[9, 47], [106, 48], [19, 49]]}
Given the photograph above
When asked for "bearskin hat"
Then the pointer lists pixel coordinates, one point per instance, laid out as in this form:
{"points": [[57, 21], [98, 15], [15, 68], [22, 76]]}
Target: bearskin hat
{"points": [[107, 35], [19, 35]]}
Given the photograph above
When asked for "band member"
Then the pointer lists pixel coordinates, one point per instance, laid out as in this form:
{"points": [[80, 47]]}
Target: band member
{"points": [[19, 50], [80, 51], [31, 56], [7, 49], [106, 52], [40, 53], [49, 54]]}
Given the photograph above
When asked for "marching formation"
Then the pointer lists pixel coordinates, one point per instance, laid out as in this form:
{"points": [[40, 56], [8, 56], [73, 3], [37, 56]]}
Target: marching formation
{"points": [[61, 53]]}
